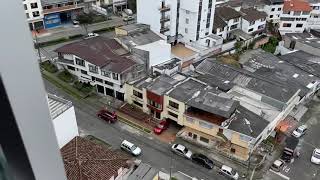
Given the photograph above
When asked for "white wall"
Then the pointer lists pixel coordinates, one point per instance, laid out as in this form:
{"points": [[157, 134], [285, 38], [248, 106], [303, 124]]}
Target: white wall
{"points": [[159, 52], [65, 126], [314, 19], [275, 14], [148, 13], [245, 25], [293, 28], [29, 10]]}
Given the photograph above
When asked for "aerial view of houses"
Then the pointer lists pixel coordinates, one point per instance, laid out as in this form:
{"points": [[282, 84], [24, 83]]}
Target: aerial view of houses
{"points": [[161, 90]]}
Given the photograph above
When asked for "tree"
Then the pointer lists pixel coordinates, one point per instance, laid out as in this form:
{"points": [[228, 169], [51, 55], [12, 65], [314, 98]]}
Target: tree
{"points": [[238, 46], [85, 20]]}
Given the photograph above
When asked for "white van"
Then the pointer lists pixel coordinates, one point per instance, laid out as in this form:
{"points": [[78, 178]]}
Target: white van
{"points": [[130, 147]]}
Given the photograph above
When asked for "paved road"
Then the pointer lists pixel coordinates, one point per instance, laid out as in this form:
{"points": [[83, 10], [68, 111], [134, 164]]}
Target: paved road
{"points": [[71, 31], [155, 153], [302, 168]]}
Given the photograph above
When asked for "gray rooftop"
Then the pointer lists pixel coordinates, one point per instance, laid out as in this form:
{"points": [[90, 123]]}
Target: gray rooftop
{"points": [[169, 64], [225, 77], [142, 83], [186, 90], [304, 61], [247, 122], [305, 38], [143, 172], [162, 84], [272, 68], [209, 100]]}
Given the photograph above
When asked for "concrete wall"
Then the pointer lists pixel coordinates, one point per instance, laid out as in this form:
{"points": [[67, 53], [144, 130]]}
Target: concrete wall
{"points": [[178, 112], [65, 126], [275, 14], [314, 19], [129, 97], [245, 25], [293, 28], [148, 13]]}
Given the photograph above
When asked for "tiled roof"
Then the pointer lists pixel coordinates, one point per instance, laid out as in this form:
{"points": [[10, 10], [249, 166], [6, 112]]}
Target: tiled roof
{"points": [[251, 14], [227, 13], [218, 22], [103, 52], [296, 5], [85, 160]]}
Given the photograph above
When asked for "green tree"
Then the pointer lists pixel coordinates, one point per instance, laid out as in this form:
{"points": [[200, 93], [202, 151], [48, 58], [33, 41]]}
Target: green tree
{"points": [[85, 20], [238, 46]]}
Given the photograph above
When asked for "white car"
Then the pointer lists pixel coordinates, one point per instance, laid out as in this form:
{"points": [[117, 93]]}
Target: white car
{"points": [[315, 158], [130, 147], [301, 130], [229, 172], [181, 150], [90, 35]]}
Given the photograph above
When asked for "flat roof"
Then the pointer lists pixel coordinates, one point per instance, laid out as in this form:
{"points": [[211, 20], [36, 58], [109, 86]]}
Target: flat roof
{"points": [[162, 84], [186, 90], [180, 51], [143, 172], [57, 105], [139, 38], [305, 38]]}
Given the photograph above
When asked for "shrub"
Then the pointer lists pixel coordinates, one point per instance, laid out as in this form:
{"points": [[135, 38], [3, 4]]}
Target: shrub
{"points": [[48, 66], [83, 87], [66, 76]]}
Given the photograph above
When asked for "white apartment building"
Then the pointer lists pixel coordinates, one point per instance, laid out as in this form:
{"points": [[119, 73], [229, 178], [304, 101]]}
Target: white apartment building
{"points": [[314, 19], [34, 14], [294, 16], [178, 21], [102, 62], [64, 119], [253, 21], [273, 8]]}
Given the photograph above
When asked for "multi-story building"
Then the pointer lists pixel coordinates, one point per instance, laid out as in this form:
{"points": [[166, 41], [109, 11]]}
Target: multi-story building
{"points": [[273, 8], [183, 21], [34, 14], [314, 19], [294, 16], [103, 63], [253, 21]]}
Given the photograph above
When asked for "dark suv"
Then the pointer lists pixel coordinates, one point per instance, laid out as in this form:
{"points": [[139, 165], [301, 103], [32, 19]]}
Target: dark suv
{"points": [[202, 160], [106, 115]]}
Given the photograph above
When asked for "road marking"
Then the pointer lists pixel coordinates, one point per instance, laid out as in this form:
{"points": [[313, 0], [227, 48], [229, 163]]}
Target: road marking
{"points": [[281, 175], [286, 169]]}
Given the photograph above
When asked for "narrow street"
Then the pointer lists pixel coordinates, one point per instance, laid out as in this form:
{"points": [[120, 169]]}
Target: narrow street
{"points": [[154, 152]]}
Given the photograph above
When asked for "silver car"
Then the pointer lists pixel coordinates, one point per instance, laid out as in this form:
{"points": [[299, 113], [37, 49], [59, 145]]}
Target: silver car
{"points": [[181, 150]]}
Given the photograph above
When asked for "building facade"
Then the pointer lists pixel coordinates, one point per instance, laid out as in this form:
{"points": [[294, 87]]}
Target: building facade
{"points": [[34, 14]]}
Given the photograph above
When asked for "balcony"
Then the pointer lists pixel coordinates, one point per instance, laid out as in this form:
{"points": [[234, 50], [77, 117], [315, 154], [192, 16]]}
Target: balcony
{"points": [[164, 29], [57, 105], [164, 8], [65, 61], [62, 8], [135, 98], [164, 19]]}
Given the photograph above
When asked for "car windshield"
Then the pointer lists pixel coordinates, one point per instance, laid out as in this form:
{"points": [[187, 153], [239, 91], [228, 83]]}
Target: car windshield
{"points": [[316, 155], [133, 147], [185, 150], [160, 126], [299, 130]]}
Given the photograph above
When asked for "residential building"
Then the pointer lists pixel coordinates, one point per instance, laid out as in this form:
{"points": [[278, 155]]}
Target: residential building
{"points": [[220, 27], [294, 16], [103, 63], [139, 39], [95, 161], [253, 21], [34, 14], [178, 21], [314, 19], [274, 9], [64, 119]]}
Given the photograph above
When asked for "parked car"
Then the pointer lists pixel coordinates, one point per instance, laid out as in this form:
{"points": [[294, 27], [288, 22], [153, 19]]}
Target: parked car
{"points": [[229, 172], [290, 149], [181, 150], [315, 158], [106, 115], [202, 160], [277, 165], [130, 148], [75, 22], [91, 35], [163, 125], [300, 131]]}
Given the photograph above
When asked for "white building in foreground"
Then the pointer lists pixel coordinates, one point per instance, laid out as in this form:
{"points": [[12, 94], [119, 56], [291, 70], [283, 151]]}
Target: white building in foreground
{"points": [[64, 119], [34, 14]]}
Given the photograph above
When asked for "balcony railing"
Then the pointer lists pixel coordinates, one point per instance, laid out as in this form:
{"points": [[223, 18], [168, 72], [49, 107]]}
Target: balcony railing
{"points": [[63, 8], [164, 8], [165, 19], [133, 97], [164, 29], [61, 106]]}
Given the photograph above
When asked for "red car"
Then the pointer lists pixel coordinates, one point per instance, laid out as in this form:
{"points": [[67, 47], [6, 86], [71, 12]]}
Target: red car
{"points": [[163, 125], [106, 115]]}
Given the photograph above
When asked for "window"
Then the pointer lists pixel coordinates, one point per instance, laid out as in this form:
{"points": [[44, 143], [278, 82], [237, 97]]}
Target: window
{"points": [[205, 140], [315, 16], [252, 23], [271, 16], [35, 14], [137, 103], [105, 73], [93, 69], [186, 30], [286, 25], [236, 20], [115, 76], [99, 80], [108, 83], [272, 9], [137, 94], [262, 19], [27, 14], [80, 62], [190, 120], [261, 27], [297, 13], [299, 25], [233, 150], [84, 72], [190, 134], [187, 21], [173, 114], [71, 68], [316, 7], [233, 27], [305, 13], [250, 30], [154, 104], [205, 125], [174, 105], [187, 12], [158, 115], [303, 19], [286, 12], [25, 7], [279, 9], [34, 5]]}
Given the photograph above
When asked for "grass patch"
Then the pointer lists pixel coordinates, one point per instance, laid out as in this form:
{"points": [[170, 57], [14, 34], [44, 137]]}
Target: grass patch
{"points": [[63, 85], [48, 66], [229, 60], [83, 87], [54, 42], [75, 36], [108, 29], [97, 141], [66, 76], [134, 125]]}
